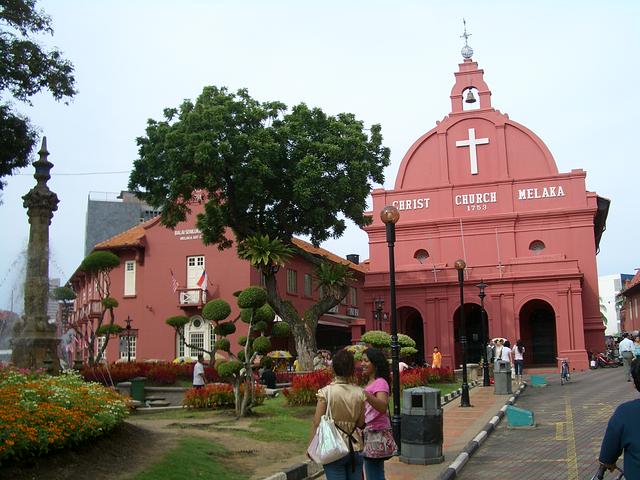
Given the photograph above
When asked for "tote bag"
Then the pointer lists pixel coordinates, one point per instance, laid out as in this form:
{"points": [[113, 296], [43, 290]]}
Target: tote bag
{"points": [[327, 444]]}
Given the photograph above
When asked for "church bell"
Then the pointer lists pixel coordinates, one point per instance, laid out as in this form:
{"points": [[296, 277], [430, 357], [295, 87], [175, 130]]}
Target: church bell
{"points": [[470, 97]]}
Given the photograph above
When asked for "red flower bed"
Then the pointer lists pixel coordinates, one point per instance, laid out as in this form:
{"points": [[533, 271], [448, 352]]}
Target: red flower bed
{"points": [[304, 387], [159, 373], [419, 377], [217, 395]]}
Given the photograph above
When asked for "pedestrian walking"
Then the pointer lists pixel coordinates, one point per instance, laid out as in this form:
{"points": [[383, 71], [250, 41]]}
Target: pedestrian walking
{"points": [[621, 435], [636, 346], [518, 359], [627, 352], [379, 444], [347, 405]]}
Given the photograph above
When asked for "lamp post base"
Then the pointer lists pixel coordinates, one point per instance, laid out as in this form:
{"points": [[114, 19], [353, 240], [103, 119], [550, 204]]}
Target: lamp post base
{"points": [[486, 379], [464, 396]]}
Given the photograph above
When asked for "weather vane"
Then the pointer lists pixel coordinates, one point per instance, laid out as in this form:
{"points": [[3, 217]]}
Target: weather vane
{"points": [[466, 51]]}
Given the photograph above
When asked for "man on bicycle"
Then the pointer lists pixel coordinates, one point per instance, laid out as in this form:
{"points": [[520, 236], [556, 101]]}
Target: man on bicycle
{"points": [[621, 434]]}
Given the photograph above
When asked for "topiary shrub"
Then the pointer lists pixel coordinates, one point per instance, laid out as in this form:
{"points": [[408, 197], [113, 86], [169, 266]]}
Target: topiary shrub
{"points": [[377, 339], [109, 329], [99, 261], [260, 326], [109, 302], [262, 345], [241, 356], [406, 340], [223, 344], [246, 315], [230, 368], [224, 329], [216, 310], [265, 314], [177, 321], [242, 341], [408, 351], [252, 297], [280, 329]]}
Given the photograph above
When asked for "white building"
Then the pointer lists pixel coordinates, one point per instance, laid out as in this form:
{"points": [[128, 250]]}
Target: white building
{"points": [[609, 287]]}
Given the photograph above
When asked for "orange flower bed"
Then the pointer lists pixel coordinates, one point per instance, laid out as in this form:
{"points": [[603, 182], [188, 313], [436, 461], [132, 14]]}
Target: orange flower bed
{"points": [[40, 413]]}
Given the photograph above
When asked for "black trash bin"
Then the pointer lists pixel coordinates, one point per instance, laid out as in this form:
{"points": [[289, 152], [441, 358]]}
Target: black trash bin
{"points": [[422, 424]]}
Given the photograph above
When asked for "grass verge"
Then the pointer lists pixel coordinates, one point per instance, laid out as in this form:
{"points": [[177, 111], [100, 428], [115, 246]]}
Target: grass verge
{"points": [[194, 458]]}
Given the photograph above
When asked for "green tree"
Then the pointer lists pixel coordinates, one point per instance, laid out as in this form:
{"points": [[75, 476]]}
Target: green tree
{"points": [[268, 171], [98, 266], [27, 68]]}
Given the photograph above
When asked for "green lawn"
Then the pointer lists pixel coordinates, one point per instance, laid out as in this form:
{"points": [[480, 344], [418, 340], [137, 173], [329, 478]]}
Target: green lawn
{"points": [[275, 421], [194, 458]]}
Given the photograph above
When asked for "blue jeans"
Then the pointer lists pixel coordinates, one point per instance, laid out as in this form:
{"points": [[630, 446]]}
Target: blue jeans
{"points": [[342, 469], [519, 365], [374, 469]]}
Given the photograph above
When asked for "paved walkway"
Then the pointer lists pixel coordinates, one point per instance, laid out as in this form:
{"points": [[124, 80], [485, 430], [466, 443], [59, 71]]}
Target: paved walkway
{"points": [[564, 444]]}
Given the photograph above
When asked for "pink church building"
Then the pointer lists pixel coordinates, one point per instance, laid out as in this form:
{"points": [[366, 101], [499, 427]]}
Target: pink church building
{"points": [[484, 188]]}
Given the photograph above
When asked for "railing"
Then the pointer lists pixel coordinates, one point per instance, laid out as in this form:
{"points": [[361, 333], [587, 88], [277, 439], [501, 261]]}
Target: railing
{"points": [[95, 308], [353, 312], [333, 309], [191, 297]]}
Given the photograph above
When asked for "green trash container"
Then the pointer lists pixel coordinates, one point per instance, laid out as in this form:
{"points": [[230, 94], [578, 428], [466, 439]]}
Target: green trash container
{"points": [[137, 388]]}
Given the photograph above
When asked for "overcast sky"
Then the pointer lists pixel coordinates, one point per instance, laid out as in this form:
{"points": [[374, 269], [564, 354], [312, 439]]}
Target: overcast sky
{"points": [[566, 70]]}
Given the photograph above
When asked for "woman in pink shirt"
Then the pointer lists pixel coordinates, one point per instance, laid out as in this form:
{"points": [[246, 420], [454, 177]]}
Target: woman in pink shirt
{"points": [[378, 435]]}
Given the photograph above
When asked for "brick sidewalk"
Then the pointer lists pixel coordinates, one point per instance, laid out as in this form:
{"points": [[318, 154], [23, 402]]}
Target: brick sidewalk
{"points": [[460, 426]]}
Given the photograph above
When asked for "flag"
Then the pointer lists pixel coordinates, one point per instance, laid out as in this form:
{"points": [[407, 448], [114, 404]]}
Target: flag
{"points": [[174, 283], [203, 280]]}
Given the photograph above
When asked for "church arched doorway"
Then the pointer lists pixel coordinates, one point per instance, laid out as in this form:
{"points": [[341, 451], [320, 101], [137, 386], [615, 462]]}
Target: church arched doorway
{"points": [[411, 324], [538, 332], [475, 342]]}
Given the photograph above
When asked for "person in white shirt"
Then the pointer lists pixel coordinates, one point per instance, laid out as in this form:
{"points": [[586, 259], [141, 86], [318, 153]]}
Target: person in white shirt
{"points": [[626, 349], [198, 372], [518, 359], [505, 354]]}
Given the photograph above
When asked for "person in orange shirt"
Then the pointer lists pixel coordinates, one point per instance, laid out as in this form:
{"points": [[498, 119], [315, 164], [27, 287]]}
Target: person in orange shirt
{"points": [[437, 358]]}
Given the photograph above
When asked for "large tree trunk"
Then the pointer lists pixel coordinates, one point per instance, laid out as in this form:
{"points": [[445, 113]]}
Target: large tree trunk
{"points": [[304, 336]]}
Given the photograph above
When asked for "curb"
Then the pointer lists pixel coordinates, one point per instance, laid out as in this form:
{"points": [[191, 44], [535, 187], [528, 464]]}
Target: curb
{"points": [[454, 468], [309, 469]]}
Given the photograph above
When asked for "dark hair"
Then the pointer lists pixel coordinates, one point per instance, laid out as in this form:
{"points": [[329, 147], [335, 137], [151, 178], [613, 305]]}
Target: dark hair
{"points": [[520, 346], [380, 363], [507, 344], [635, 373], [343, 363]]}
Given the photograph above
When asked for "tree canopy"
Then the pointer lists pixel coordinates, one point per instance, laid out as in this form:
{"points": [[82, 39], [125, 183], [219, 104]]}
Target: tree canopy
{"points": [[26, 69], [267, 169]]}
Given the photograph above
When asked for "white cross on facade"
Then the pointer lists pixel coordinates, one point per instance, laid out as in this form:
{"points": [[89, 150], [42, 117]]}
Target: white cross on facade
{"points": [[471, 143]]}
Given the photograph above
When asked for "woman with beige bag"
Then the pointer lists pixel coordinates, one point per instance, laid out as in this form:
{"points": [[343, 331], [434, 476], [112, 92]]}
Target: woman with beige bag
{"points": [[340, 405]]}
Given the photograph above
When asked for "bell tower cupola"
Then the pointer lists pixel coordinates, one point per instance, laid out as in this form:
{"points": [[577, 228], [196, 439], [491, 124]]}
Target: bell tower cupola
{"points": [[469, 82]]}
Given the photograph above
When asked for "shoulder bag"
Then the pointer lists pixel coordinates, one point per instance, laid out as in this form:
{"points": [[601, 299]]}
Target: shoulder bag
{"points": [[327, 444]]}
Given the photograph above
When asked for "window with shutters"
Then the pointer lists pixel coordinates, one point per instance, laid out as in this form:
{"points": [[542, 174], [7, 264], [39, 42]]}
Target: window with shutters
{"points": [[129, 278], [354, 296], [292, 281], [308, 285]]}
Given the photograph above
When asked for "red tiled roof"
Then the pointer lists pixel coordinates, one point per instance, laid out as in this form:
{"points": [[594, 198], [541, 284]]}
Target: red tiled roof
{"points": [[632, 283], [307, 247], [129, 238]]}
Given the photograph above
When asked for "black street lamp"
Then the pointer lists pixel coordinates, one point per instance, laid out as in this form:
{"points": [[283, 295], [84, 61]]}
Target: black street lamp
{"points": [[390, 216], [128, 329], [379, 304], [464, 397], [486, 381]]}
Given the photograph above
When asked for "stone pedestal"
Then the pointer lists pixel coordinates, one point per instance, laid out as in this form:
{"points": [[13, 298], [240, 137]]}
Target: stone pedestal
{"points": [[36, 352]]}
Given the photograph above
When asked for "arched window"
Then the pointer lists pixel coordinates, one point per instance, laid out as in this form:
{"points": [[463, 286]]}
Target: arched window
{"points": [[537, 246], [421, 255]]}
